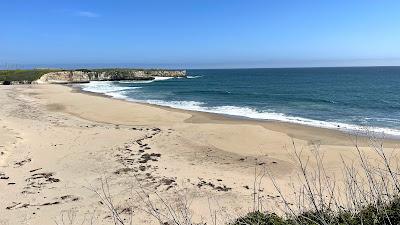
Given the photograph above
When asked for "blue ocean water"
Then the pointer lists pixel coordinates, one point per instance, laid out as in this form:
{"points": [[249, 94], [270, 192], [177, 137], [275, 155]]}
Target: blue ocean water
{"points": [[353, 98]]}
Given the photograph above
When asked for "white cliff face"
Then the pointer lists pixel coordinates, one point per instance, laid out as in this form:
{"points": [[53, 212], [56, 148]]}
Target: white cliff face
{"points": [[65, 77]]}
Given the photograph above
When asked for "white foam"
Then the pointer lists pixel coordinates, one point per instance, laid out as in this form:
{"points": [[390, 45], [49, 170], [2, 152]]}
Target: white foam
{"points": [[114, 91], [118, 95], [144, 81], [162, 78], [188, 105], [264, 115], [193, 77], [135, 81], [104, 87]]}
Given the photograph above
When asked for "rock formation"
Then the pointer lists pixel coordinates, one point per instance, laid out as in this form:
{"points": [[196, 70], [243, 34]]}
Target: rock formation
{"points": [[85, 76]]}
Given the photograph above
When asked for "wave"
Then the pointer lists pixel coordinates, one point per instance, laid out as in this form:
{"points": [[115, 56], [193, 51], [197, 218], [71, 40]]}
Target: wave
{"points": [[104, 87], [144, 81], [109, 88], [119, 95], [162, 78], [264, 115], [135, 81], [193, 77]]}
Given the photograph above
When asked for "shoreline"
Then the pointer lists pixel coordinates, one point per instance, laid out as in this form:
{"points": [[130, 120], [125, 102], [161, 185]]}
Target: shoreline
{"points": [[321, 135], [61, 143]]}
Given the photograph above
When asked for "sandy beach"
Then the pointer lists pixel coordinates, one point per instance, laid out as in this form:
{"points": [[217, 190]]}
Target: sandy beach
{"points": [[59, 145]]}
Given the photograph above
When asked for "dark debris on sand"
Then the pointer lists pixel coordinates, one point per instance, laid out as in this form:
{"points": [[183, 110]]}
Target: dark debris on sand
{"points": [[136, 159]]}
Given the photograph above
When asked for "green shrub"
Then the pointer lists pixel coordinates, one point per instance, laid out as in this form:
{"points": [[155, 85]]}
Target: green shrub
{"points": [[260, 218], [369, 215], [20, 75]]}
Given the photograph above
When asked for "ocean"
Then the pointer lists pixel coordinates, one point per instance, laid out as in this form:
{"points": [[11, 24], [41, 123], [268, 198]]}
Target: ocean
{"points": [[361, 99]]}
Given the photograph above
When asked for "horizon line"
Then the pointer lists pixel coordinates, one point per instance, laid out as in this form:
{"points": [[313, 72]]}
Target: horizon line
{"points": [[27, 67]]}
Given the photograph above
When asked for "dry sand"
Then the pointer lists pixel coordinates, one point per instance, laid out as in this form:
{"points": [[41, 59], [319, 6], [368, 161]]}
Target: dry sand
{"points": [[58, 144]]}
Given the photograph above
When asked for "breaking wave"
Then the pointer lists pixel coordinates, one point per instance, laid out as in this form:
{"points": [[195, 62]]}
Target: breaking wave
{"points": [[265, 115]]}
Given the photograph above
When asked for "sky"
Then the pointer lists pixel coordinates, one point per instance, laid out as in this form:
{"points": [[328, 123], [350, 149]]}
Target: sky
{"points": [[199, 33]]}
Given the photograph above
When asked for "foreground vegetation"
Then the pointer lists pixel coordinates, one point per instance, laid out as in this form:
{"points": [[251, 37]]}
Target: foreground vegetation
{"points": [[385, 213], [369, 194], [23, 75]]}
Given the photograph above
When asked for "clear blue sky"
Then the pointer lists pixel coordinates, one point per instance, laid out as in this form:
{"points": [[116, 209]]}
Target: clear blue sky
{"points": [[200, 33]]}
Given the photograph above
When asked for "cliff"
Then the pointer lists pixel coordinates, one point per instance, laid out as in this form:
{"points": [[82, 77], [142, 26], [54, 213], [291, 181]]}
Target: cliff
{"points": [[85, 76]]}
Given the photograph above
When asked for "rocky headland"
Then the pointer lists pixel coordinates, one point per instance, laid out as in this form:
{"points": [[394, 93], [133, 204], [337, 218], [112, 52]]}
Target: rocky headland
{"points": [[82, 75]]}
